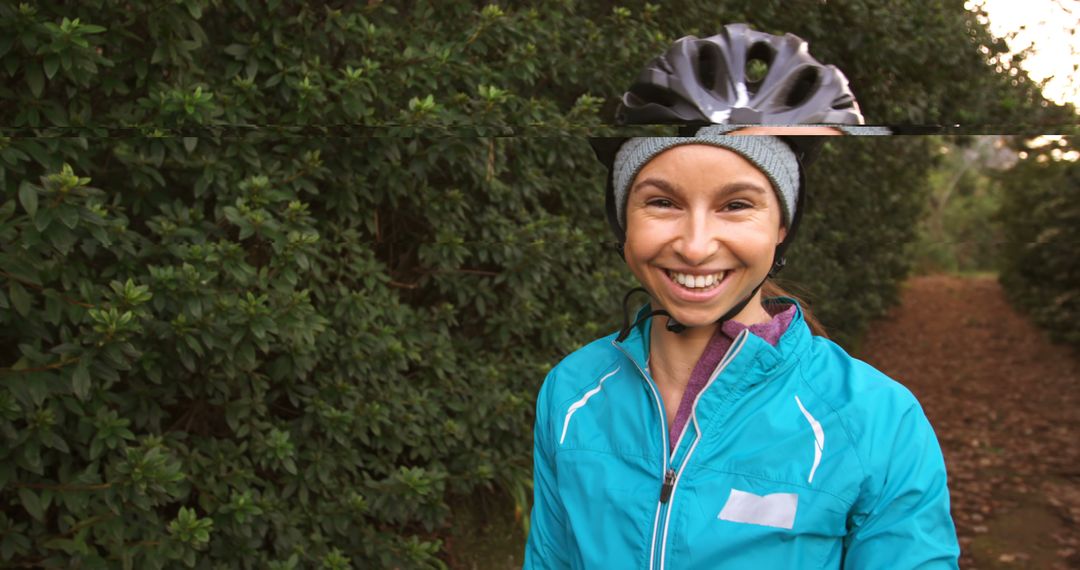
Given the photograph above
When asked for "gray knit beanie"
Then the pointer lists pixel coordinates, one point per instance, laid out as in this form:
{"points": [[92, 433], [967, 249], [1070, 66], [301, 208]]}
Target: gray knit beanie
{"points": [[768, 153]]}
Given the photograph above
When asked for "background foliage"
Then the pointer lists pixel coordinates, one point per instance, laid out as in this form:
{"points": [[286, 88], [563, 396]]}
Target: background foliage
{"points": [[961, 229], [1041, 218], [264, 306]]}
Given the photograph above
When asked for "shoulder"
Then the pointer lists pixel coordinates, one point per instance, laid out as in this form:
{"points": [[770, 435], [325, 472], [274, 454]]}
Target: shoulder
{"points": [[579, 372], [876, 411], [847, 382]]}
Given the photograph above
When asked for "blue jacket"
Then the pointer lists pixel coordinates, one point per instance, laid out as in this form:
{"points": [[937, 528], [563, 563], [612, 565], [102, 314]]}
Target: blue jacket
{"points": [[795, 456]]}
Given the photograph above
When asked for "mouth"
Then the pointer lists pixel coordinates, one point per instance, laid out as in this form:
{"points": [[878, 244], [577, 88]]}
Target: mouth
{"points": [[696, 284]]}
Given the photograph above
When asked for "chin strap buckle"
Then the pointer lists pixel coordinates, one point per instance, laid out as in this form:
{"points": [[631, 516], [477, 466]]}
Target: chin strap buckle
{"points": [[780, 263], [675, 326]]}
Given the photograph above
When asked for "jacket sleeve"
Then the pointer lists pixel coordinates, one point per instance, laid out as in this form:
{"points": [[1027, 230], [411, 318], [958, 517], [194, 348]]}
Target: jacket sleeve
{"points": [[902, 519], [546, 545]]}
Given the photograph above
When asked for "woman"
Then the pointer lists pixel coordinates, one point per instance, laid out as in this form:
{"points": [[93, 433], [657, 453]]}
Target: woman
{"points": [[717, 431]]}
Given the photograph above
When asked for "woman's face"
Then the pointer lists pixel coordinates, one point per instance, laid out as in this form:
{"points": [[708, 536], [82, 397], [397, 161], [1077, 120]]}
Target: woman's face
{"points": [[704, 213]]}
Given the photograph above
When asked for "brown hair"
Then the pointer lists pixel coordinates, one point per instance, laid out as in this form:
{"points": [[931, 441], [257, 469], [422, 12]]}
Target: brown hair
{"points": [[771, 289]]}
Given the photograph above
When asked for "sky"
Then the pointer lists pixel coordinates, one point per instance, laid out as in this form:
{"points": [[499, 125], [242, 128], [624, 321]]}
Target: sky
{"points": [[1047, 24]]}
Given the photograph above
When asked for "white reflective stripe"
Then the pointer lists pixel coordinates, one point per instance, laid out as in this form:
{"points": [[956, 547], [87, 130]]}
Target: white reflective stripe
{"points": [[775, 509], [733, 351], [581, 403], [663, 466], [819, 439], [655, 524]]}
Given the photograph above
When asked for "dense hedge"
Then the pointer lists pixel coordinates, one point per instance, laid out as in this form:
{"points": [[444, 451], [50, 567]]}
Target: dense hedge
{"points": [[238, 331], [1041, 217]]}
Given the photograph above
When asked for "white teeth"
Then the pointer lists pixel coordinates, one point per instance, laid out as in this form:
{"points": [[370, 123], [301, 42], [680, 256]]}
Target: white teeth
{"points": [[696, 281]]}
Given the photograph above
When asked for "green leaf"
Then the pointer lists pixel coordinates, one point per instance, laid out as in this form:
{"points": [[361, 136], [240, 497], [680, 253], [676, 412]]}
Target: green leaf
{"points": [[32, 504], [7, 209], [34, 78], [43, 219], [61, 238], [80, 380], [6, 41], [20, 268], [54, 309], [53, 440], [51, 64], [66, 544], [69, 215], [51, 160], [236, 50], [55, 114], [20, 299], [28, 198]]}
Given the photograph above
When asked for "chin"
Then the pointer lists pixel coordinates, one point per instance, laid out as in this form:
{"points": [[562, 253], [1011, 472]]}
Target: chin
{"points": [[696, 318]]}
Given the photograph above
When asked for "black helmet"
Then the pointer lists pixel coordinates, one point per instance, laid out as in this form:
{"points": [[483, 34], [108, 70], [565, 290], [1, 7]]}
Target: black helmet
{"points": [[707, 81]]}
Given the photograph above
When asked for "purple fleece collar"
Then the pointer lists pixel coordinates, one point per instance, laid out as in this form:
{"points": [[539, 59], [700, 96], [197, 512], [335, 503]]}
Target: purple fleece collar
{"points": [[718, 346]]}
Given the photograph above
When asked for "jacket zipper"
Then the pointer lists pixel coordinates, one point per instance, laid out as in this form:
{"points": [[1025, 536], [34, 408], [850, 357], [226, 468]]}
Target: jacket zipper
{"points": [[733, 351], [671, 476], [669, 484], [668, 474]]}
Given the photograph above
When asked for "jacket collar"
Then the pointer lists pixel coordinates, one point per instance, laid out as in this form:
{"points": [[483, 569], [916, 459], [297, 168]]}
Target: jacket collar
{"points": [[762, 358]]}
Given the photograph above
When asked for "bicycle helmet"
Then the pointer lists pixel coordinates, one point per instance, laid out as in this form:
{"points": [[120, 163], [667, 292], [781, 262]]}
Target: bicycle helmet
{"points": [[717, 80]]}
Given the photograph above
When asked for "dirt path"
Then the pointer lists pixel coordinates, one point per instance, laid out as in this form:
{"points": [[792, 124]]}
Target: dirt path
{"points": [[1004, 405]]}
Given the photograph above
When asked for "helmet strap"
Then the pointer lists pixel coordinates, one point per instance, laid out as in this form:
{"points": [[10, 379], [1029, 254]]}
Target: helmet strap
{"points": [[626, 328]]}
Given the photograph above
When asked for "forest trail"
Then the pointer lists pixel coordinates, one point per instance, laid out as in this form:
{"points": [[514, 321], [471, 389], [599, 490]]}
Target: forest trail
{"points": [[1003, 402]]}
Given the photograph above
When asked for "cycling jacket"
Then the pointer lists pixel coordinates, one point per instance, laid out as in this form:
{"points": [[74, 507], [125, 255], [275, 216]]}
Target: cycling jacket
{"points": [[795, 456]]}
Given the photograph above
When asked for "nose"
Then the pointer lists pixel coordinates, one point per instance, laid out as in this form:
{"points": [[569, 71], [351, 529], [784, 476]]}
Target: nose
{"points": [[699, 239]]}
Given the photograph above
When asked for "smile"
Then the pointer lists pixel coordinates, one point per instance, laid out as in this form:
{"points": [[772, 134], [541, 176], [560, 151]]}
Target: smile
{"points": [[697, 283]]}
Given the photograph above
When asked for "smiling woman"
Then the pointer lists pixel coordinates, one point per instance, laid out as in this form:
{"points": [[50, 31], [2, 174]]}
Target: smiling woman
{"points": [[716, 429], [697, 245]]}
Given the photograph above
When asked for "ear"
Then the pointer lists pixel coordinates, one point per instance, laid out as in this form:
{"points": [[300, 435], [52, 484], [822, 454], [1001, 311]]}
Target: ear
{"points": [[783, 235]]}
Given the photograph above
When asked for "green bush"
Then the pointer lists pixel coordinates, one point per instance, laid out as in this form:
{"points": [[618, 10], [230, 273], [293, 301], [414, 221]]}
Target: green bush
{"points": [[1041, 217], [267, 299]]}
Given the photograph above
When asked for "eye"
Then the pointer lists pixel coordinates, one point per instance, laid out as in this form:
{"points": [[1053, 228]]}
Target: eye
{"points": [[660, 203], [738, 205]]}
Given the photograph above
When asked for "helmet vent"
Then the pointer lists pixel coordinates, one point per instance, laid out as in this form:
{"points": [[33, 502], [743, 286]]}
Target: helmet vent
{"points": [[758, 59], [709, 58], [842, 104], [803, 87]]}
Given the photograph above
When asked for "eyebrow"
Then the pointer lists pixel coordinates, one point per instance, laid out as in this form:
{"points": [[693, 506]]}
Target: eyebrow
{"points": [[675, 189]]}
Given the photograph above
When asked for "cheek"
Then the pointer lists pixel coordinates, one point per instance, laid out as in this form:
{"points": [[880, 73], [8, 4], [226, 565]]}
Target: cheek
{"points": [[754, 246], [637, 254], [634, 254]]}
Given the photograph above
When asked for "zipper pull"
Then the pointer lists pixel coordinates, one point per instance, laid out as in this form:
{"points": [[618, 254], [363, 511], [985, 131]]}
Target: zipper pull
{"points": [[669, 484]]}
